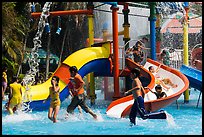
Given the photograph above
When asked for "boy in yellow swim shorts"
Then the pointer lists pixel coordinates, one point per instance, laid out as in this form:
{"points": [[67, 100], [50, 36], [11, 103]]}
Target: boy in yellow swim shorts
{"points": [[15, 95]]}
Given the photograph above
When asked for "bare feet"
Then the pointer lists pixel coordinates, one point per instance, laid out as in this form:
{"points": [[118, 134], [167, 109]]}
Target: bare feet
{"points": [[54, 121], [174, 85], [167, 88], [95, 116]]}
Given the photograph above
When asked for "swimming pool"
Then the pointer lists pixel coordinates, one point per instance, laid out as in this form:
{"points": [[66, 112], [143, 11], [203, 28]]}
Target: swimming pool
{"points": [[184, 120]]}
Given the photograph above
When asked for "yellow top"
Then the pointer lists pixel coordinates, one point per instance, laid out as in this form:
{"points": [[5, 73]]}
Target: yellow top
{"points": [[16, 90], [54, 95], [4, 76], [16, 94]]}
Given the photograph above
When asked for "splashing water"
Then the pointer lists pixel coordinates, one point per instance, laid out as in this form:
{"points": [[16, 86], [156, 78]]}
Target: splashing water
{"points": [[33, 61], [19, 117], [99, 117], [80, 117], [170, 120]]}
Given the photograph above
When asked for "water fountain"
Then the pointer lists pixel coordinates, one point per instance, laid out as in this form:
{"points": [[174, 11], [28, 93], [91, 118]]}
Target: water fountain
{"points": [[29, 78]]}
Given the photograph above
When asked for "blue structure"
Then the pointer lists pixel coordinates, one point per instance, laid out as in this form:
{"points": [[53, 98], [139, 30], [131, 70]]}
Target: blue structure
{"points": [[111, 3], [194, 76], [152, 20], [185, 4]]}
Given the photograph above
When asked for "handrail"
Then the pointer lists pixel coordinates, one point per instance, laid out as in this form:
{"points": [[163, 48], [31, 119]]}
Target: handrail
{"points": [[200, 45]]}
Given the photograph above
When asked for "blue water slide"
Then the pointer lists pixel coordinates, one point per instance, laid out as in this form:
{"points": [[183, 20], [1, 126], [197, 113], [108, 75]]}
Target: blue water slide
{"points": [[194, 76], [111, 3]]}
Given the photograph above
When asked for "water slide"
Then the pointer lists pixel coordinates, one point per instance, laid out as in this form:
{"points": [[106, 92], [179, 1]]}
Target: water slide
{"points": [[121, 107], [193, 75], [96, 59], [92, 59]]}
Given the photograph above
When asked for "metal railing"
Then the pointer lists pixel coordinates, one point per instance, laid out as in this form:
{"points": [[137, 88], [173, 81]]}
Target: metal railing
{"points": [[176, 58]]}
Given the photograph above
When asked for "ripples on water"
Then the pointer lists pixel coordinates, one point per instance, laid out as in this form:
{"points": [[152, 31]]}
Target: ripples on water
{"points": [[37, 123]]}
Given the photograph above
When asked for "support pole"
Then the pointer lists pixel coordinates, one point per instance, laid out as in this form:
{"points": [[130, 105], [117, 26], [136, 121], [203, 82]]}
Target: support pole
{"points": [[126, 26], [152, 20], [105, 33], [115, 52], [90, 77], [185, 46], [158, 31], [198, 99]]}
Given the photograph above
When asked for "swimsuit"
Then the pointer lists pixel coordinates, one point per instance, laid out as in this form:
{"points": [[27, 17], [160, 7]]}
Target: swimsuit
{"points": [[55, 100], [157, 81], [16, 97], [138, 106], [4, 80], [4, 76], [160, 95], [79, 97], [16, 94]]}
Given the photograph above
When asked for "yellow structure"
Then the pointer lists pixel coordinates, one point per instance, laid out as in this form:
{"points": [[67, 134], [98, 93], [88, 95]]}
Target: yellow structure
{"points": [[90, 77], [185, 49], [78, 59]]}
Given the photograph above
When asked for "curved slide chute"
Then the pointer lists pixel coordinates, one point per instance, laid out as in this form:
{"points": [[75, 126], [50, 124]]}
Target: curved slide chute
{"points": [[92, 59], [121, 107], [193, 75]]}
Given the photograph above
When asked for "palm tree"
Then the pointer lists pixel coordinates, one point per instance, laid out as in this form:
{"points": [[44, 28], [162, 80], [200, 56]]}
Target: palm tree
{"points": [[14, 28]]}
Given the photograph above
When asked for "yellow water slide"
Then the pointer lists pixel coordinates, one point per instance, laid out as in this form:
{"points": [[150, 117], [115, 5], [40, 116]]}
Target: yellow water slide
{"points": [[37, 93]]}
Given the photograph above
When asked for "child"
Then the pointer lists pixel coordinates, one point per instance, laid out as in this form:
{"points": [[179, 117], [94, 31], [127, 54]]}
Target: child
{"points": [[137, 55], [4, 81], [71, 86], [15, 96], [55, 100], [138, 94], [159, 93], [159, 80], [165, 57], [78, 93], [128, 53]]}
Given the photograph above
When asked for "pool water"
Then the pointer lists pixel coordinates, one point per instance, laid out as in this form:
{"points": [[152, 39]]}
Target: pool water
{"points": [[184, 119]]}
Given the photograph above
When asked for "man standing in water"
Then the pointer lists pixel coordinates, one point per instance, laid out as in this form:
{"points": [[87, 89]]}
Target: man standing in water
{"points": [[78, 93], [138, 94]]}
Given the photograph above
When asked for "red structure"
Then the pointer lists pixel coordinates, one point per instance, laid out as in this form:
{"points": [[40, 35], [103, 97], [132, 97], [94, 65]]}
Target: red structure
{"points": [[60, 13], [174, 26], [196, 60]]}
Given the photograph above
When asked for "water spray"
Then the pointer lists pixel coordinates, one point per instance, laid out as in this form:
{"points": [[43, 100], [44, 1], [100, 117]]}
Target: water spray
{"points": [[29, 78]]}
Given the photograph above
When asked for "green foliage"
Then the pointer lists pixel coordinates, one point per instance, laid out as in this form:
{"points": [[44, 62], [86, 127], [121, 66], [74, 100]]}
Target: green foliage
{"points": [[8, 17], [196, 9], [21, 76], [10, 64], [12, 67], [14, 29]]}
